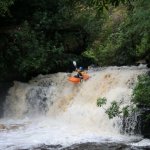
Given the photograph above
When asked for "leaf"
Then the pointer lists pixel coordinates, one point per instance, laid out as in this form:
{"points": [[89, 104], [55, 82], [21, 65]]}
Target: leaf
{"points": [[101, 101], [113, 110], [125, 111]]}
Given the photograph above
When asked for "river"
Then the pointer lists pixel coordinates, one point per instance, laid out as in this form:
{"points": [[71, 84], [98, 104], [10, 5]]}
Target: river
{"points": [[49, 112]]}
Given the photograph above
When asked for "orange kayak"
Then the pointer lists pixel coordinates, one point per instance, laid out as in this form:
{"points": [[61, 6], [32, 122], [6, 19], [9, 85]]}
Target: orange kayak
{"points": [[74, 79], [77, 80]]}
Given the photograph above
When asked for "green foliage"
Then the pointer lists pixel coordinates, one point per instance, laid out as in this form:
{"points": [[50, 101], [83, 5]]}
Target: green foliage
{"points": [[141, 93], [28, 53], [101, 101], [100, 5], [126, 39], [113, 110], [41, 39], [105, 51], [143, 47], [125, 111], [4, 6], [55, 31]]}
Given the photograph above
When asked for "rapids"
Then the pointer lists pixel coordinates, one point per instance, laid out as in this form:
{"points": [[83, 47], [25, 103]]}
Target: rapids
{"points": [[50, 110]]}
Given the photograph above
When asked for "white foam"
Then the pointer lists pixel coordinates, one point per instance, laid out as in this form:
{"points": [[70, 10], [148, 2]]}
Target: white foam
{"points": [[72, 115]]}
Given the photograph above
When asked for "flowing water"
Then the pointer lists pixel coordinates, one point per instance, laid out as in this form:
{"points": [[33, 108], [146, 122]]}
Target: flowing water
{"points": [[50, 110]]}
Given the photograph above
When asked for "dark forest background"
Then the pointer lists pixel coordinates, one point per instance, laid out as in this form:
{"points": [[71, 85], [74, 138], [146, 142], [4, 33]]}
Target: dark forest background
{"points": [[45, 36]]}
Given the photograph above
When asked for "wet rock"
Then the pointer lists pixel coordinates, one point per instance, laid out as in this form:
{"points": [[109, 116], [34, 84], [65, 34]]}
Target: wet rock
{"points": [[2, 127], [91, 146], [145, 123], [46, 147], [143, 61], [4, 87], [98, 146]]}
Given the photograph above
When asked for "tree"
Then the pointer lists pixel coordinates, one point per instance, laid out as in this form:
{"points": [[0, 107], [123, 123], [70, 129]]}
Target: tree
{"points": [[4, 6], [124, 41]]}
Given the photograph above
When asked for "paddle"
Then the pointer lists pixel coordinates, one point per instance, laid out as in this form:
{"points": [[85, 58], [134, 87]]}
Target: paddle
{"points": [[75, 64]]}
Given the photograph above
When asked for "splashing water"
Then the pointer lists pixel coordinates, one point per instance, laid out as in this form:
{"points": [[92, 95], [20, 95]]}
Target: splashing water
{"points": [[50, 110]]}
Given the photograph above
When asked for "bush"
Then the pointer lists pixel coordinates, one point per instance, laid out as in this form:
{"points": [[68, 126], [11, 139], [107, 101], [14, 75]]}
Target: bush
{"points": [[114, 109], [141, 93], [28, 54]]}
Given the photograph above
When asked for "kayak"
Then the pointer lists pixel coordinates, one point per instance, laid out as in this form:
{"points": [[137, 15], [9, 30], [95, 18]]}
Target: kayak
{"points": [[76, 80]]}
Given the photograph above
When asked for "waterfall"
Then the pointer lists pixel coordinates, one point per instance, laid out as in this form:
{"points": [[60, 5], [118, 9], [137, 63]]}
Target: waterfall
{"points": [[73, 106]]}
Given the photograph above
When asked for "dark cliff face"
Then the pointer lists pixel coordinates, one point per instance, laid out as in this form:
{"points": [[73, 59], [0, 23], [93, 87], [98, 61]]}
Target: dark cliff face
{"points": [[4, 87], [145, 122]]}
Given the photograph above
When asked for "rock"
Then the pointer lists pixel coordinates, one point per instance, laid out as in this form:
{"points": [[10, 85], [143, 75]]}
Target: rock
{"points": [[145, 122], [2, 127], [98, 146], [143, 61], [4, 87]]}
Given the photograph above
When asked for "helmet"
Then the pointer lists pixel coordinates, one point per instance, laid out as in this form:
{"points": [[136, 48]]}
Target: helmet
{"points": [[81, 68]]}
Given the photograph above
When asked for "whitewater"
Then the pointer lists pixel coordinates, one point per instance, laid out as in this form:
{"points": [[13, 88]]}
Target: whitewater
{"points": [[52, 111]]}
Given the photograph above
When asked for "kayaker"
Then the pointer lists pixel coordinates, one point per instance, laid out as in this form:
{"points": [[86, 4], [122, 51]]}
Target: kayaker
{"points": [[79, 71]]}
